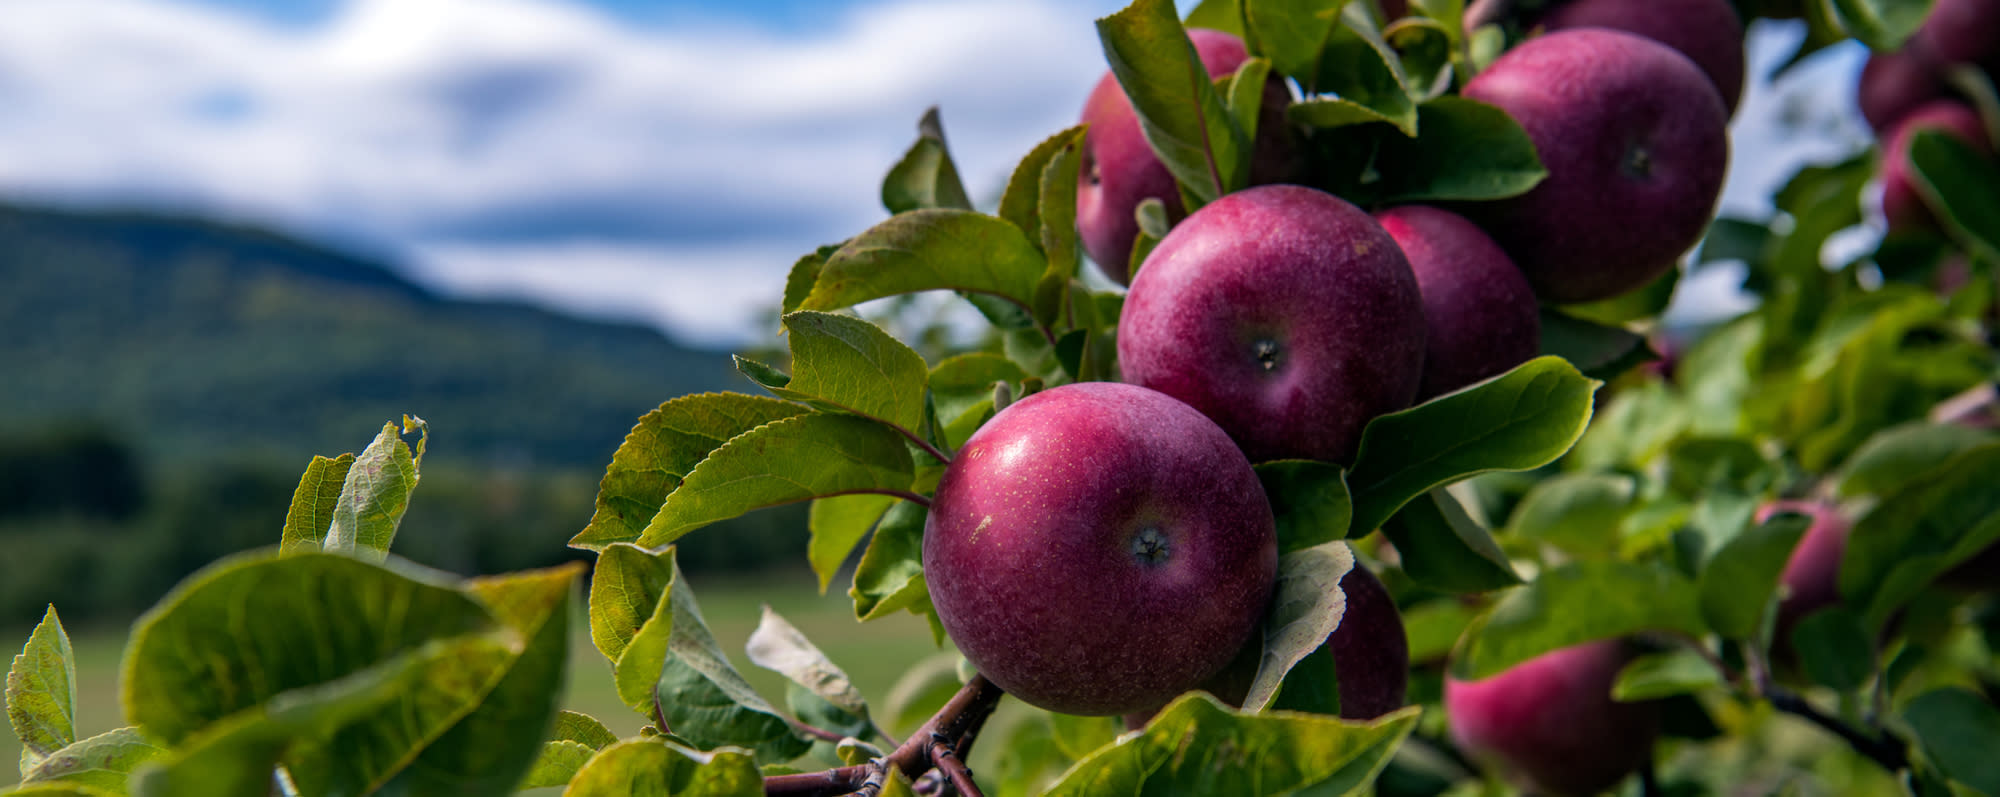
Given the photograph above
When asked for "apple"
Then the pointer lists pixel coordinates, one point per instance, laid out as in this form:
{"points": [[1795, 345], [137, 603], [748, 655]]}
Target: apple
{"points": [[1707, 31], [1893, 84], [1959, 32], [1811, 577], [1550, 722], [1634, 139], [1480, 315], [1902, 204], [1284, 313], [1099, 548], [1120, 169]]}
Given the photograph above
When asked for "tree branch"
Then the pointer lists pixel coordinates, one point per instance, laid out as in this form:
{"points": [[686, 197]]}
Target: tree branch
{"points": [[1886, 749], [959, 720], [953, 768]]}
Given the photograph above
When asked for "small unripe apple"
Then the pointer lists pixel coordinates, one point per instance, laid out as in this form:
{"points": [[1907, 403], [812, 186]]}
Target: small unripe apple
{"points": [[1286, 314], [1120, 169], [1902, 204], [1634, 139], [1099, 548], [1550, 722], [1480, 315], [1706, 31]]}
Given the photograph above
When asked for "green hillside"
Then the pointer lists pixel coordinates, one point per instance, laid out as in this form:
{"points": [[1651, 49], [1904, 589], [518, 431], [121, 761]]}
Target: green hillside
{"points": [[197, 339]]}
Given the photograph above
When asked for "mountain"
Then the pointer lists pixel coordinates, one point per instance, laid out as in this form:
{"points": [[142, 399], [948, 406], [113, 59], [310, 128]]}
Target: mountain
{"points": [[197, 339]]}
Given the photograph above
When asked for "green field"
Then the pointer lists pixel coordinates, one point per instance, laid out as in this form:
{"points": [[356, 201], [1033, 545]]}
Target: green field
{"points": [[873, 654]]}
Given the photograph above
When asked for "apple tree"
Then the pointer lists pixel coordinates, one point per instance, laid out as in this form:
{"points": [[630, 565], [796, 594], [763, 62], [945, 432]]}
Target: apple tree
{"points": [[1362, 267]]}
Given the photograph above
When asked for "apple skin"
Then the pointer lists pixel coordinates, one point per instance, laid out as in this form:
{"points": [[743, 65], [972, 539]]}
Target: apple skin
{"points": [[1551, 723], [1284, 313], [1120, 169], [1479, 312], [1099, 548], [1707, 31], [1902, 204], [1634, 139], [1893, 85]]}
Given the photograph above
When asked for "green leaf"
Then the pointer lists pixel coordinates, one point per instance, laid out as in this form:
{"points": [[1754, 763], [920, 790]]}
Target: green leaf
{"points": [[1834, 649], [1444, 548], [1077, 737], [925, 250], [785, 461], [105, 761], [1646, 302], [700, 697], [1577, 603], [1520, 420], [1920, 531], [625, 590], [1599, 351], [1310, 500], [1467, 150], [1021, 201], [250, 627], [1883, 25], [1895, 456], [376, 493], [1730, 239], [1306, 606], [921, 690], [313, 503], [1060, 179], [1742, 577], [890, 576], [558, 762], [1222, 15], [846, 364], [1294, 34], [1577, 512], [1958, 183], [659, 452], [782, 648], [1178, 108], [1434, 626], [1657, 675], [581, 728], [654, 768], [837, 524], [56, 789], [1958, 731], [804, 275], [1197, 746], [1635, 428], [41, 692], [925, 177], [961, 383]]}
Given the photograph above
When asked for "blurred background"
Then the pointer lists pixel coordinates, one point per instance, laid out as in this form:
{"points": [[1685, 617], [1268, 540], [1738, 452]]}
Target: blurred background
{"points": [[238, 233]]}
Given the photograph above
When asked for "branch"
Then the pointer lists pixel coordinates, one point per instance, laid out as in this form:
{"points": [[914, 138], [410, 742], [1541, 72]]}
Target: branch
{"points": [[961, 717], [953, 768], [1886, 750], [825, 783]]}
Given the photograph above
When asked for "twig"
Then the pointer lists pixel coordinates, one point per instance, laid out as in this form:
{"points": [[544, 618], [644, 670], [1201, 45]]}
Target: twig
{"points": [[840, 780], [949, 763], [961, 717], [817, 732], [932, 450], [1887, 750]]}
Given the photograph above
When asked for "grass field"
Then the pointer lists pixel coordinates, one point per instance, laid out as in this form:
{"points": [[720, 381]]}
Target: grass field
{"points": [[873, 654]]}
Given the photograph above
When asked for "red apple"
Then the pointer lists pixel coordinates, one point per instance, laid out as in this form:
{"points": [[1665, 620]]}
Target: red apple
{"points": [[1284, 313], [1634, 139], [1706, 31], [1902, 204], [1550, 722], [1956, 32], [1894, 84], [1811, 579], [1120, 169], [1480, 315], [1099, 548]]}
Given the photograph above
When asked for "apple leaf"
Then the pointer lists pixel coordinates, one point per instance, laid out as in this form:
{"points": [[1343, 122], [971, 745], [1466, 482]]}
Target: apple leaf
{"points": [[1895, 456], [925, 177], [659, 452], [658, 768], [375, 494], [837, 524], [1577, 603], [1309, 499], [1883, 25], [41, 692], [1959, 185], [1293, 34], [890, 575], [1306, 606], [1444, 548], [625, 587], [1197, 746], [1356, 64], [57, 789], [846, 364], [1648, 301], [1178, 108], [1834, 648], [1958, 731], [780, 647], [1021, 201], [1920, 531], [962, 383], [1466, 151], [1520, 420], [1425, 48], [1577, 512], [1637, 426], [1599, 351], [104, 761], [1329, 112], [701, 697], [1741, 578], [804, 275], [784, 461], [1077, 736], [1675, 672], [576, 726], [931, 249], [313, 503], [557, 764]]}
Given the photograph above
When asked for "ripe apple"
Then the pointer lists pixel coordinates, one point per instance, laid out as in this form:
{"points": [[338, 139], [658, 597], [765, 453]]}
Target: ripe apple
{"points": [[1120, 169], [1284, 313], [1894, 84], [1480, 315], [1902, 204], [1099, 548], [1707, 31], [1633, 136], [1959, 32], [1956, 32], [1550, 721], [1812, 575]]}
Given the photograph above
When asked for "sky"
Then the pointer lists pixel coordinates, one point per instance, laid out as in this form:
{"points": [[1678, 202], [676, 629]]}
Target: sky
{"points": [[662, 162]]}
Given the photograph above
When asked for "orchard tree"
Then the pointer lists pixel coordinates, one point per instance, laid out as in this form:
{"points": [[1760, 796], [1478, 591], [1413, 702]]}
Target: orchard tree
{"points": [[1764, 568]]}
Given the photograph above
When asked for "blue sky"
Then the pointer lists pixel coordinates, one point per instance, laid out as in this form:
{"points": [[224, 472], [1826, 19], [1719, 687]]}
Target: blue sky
{"points": [[657, 161]]}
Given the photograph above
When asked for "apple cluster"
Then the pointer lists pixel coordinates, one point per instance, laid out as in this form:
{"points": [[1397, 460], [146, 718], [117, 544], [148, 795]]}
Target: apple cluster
{"points": [[1930, 84]]}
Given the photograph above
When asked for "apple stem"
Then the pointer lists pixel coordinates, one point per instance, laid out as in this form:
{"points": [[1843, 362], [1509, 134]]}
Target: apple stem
{"points": [[921, 443]]}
